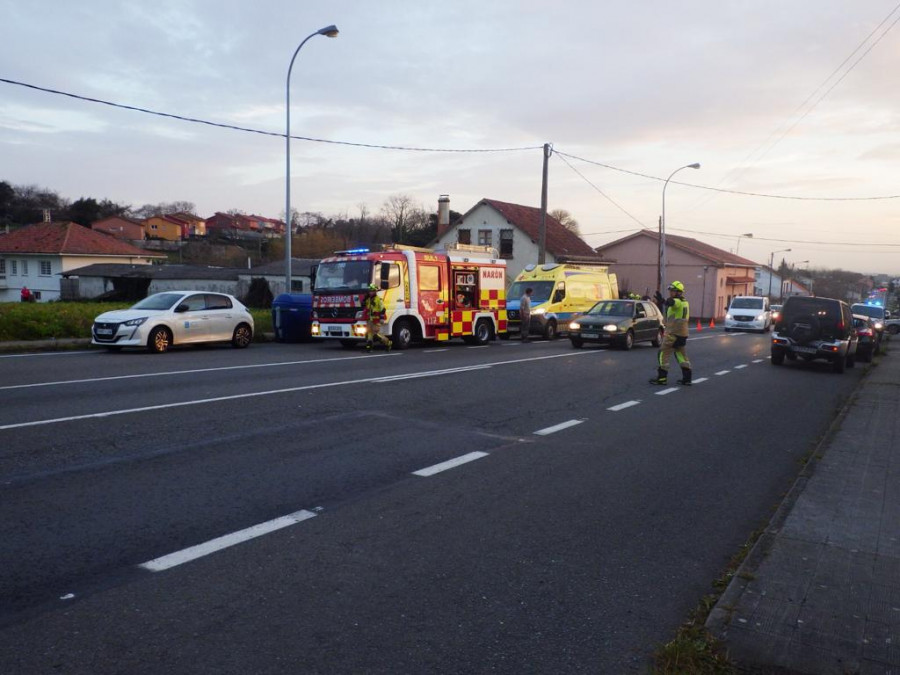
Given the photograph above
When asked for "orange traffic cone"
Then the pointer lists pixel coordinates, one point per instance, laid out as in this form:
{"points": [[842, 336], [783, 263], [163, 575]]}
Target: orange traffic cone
{"points": [[699, 327], [712, 323]]}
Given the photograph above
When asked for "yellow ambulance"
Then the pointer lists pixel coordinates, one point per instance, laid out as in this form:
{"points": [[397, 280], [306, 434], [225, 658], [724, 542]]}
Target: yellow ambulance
{"points": [[560, 292]]}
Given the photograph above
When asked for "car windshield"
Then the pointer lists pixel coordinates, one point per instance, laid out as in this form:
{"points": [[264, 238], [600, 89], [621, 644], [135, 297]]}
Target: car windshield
{"points": [[747, 303], [541, 290], [159, 301], [874, 311], [344, 275], [612, 308]]}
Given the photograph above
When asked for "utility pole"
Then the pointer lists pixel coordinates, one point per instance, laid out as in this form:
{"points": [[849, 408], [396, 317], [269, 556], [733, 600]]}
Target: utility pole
{"points": [[542, 231]]}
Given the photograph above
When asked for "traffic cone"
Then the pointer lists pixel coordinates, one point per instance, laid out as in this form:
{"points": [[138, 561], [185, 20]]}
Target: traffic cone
{"points": [[712, 323], [699, 327]]}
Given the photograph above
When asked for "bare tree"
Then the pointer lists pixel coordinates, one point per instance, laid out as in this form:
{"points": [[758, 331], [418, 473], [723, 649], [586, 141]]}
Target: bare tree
{"points": [[406, 219], [566, 219]]}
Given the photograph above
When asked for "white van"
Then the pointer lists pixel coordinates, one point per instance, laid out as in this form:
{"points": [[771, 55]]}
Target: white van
{"points": [[748, 312]]}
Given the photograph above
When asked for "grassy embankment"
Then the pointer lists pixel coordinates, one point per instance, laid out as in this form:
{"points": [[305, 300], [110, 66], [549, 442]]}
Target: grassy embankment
{"points": [[63, 320]]}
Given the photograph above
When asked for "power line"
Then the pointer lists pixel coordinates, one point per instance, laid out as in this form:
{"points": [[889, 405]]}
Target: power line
{"points": [[233, 127], [733, 192], [790, 241], [605, 196]]}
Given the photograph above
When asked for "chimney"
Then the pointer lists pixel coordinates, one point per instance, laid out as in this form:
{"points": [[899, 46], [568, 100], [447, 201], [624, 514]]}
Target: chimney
{"points": [[443, 223]]}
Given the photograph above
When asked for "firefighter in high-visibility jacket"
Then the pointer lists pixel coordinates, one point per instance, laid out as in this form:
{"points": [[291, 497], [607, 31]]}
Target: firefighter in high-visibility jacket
{"points": [[375, 316], [678, 315]]}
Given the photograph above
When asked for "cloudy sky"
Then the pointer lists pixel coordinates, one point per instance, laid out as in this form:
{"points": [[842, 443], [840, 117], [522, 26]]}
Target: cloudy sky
{"points": [[788, 98]]}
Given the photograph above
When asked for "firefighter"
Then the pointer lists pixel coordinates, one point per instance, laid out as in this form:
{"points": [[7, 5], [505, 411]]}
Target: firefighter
{"points": [[375, 316], [675, 338]]}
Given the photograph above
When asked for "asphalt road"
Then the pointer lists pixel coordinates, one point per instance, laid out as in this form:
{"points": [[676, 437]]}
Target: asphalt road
{"points": [[591, 512]]}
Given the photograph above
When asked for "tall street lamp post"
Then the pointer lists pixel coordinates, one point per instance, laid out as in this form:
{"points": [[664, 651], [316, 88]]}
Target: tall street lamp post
{"points": [[794, 267], [748, 235], [328, 31], [661, 271], [771, 271]]}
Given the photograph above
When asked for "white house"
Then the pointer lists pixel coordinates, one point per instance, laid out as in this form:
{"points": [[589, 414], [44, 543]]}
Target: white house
{"points": [[36, 256], [513, 230]]}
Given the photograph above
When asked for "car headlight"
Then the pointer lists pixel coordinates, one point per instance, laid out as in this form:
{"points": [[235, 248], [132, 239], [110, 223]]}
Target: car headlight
{"points": [[728, 316], [610, 328], [540, 310], [574, 326], [134, 322], [878, 325]]}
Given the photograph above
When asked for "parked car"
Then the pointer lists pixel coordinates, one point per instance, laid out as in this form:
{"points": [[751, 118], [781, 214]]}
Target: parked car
{"points": [[869, 339], [815, 328], [775, 312], [877, 313], [618, 322], [892, 326], [162, 320], [748, 312]]}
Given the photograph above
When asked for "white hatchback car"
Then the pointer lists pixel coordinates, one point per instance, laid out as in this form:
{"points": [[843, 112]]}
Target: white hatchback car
{"points": [[175, 318]]}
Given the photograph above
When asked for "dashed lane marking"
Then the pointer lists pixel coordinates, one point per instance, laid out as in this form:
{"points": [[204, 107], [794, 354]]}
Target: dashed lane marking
{"points": [[450, 464], [666, 391], [723, 372], [743, 365], [700, 379], [622, 406], [557, 427], [758, 360]]}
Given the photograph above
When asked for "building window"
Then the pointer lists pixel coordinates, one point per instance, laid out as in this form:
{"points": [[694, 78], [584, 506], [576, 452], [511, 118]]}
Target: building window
{"points": [[13, 268], [484, 237], [46, 269], [464, 236], [506, 243], [296, 285], [24, 268], [2, 267]]}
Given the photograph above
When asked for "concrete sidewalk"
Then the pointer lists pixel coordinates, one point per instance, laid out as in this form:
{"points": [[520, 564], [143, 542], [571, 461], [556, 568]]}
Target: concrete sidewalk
{"points": [[820, 591]]}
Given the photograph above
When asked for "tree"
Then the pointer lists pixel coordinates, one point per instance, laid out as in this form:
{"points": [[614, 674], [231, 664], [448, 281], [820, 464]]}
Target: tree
{"points": [[161, 209], [407, 220], [566, 220]]}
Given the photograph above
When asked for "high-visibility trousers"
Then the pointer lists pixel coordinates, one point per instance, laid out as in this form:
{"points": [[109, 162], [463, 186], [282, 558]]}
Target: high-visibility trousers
{"points": [[373, 329], [673, 344]]}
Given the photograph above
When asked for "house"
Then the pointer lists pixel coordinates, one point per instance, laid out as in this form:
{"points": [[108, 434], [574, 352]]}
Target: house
{"points": [[791, 286], [768, 283], [303, 275], [194, 226], [121, 227], [134, 282], [240, 226], [711, 276], [513, 230], [36, 256], [168, 228]]}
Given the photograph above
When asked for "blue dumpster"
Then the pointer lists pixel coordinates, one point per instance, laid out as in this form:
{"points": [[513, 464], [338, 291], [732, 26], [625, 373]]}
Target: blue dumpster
{"points": [[291, 317]]}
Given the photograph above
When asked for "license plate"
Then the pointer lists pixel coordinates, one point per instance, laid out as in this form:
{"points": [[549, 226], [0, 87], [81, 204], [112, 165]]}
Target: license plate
{"points": [[743, 324], [588, 334], [804, 350], [104, 331]]}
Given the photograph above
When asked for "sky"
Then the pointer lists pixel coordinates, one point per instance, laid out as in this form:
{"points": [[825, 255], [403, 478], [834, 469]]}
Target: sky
{"points": [[797, 100]]}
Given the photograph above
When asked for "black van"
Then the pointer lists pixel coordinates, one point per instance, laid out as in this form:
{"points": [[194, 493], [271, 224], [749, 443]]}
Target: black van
{"points": [[815, 328]]}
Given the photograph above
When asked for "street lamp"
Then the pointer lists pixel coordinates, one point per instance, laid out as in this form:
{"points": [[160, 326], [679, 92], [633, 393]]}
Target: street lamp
{"points": [[329, 31], [737, 250], [772, 262], [793, 267], [661, 272]]}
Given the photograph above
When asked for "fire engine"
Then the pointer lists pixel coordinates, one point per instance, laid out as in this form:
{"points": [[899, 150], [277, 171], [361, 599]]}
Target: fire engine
{"points": [[428, 295]]}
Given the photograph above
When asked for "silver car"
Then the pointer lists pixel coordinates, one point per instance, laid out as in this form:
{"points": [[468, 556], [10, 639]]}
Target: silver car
{"points": [[175, 318]]}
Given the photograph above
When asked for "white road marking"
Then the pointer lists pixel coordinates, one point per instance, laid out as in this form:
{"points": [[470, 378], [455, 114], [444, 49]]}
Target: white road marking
{"points": [[478, 347], [663, 392], [744, 365], [758, 360], [429, 373], [27, 356], [186, 555], [235, 397], [699, 380], [622, 406], [433, 351], [558, 427], [450, 464], [723, 372]]}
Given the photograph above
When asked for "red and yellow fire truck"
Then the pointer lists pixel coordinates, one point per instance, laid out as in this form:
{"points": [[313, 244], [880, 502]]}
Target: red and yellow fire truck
{"points": [[428, 295]]}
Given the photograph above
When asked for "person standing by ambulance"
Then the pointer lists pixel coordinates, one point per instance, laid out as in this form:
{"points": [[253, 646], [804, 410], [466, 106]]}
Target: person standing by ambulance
{"points": [[677, 317], [525, 314], [375, 316]]}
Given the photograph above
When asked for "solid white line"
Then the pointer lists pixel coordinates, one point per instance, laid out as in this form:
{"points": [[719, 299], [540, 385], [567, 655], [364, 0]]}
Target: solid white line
{"points": [[723, 372], [622, 406], [663, 392], [449, 464], [429, 373], [558, 427], [700, 379], [234, 397], [433, 351], [741, 366], [758, 360], [59, 353], [186, 555]]}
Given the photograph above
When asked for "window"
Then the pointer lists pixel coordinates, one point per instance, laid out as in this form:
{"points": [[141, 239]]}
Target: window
{"points": [[429, 278], [217, 302], [389, 272], [506, 243], [296, 285], [24, 268], [13, 268], [2, 267], [464, 236], [46, 268], [484, 237]]}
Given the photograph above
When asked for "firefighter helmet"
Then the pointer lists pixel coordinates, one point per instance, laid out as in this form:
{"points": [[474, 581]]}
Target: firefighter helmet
{"points": [[676, 286]]}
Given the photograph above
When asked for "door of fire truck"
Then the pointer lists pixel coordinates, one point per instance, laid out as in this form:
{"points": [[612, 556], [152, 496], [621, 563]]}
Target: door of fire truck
{"points": [[433, 296]]}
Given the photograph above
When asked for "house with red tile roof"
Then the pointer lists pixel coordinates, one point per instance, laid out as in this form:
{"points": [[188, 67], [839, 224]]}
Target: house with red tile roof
{"points": [[711, 276], [36, 256], [168, 228], [514, 230], [121, 227]]}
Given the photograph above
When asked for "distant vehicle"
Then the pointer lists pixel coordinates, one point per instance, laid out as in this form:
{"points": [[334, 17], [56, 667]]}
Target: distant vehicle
{"points": [[877, 313], [618, 322], [162, 320], [869, 340], [748, 312], [815, 328], [892, 326], [561, 291], [775, 313]]}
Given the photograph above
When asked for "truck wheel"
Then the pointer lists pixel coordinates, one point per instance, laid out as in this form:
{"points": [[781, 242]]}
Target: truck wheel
{"points": [[550, 331], [401, 335], [484, 332]]}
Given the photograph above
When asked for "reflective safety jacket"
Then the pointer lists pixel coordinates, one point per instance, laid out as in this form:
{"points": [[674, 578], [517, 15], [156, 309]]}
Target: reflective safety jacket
{"points": [[374, 307], [678, 313]]}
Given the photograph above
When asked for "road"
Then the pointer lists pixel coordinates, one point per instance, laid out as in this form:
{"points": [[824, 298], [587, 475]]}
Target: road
{"points": [[510, 508]]}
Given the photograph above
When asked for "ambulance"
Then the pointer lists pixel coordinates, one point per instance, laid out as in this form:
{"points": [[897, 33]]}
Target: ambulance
{"points": [[428, 295], [560, 292]]}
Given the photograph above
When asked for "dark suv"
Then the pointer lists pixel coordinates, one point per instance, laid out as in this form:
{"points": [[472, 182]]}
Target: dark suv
{"points": [[815, 328]]}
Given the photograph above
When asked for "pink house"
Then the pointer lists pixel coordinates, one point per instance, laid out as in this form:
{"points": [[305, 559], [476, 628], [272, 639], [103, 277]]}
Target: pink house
{"points": [[120, 227], [711, 276]]}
